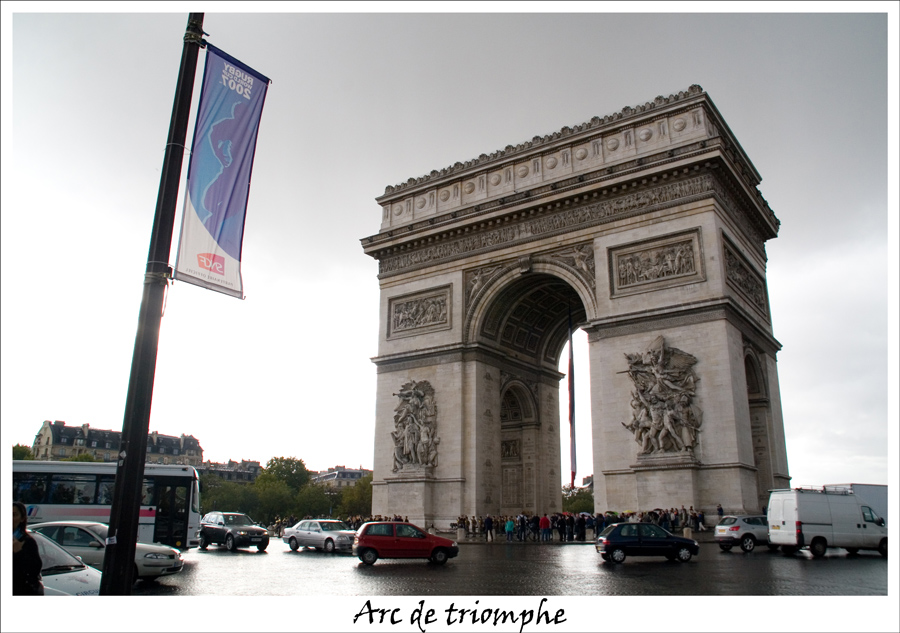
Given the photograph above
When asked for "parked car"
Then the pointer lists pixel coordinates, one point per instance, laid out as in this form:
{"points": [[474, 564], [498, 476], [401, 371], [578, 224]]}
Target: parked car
{"points": [[233, 530], [746, 530], [392, 539], [62, 573], [87, 541], [323, 534], [621, 540]]}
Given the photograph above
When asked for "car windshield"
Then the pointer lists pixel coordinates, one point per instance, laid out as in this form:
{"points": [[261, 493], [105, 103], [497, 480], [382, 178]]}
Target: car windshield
{"points": [[333, 526], [238, 519], [55, 559]]}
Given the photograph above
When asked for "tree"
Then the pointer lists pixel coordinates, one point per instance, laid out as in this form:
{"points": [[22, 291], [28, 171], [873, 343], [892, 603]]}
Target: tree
{"points": [[577, 500], [357, 500], [226, 496], [81, 457], [312, 501], [275, 498], [290, 470], [20, 451]]}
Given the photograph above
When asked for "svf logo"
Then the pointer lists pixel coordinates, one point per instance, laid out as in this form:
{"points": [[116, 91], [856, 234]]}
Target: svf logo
{"points": [[212, 263]]}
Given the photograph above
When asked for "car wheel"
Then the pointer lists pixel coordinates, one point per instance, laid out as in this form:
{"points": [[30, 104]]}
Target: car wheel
{"points": [[262, 546], [294, 544], [882, 548], [617, 555], [748, 543], [725, 547], [439, 557], [852, 550], [203, 542], [683, 554], [229, 543], [329, 546], [817, 547], [369, 557], [788, 550]]}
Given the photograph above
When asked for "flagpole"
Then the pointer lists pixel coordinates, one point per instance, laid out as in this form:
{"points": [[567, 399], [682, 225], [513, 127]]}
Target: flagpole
{"points": [[118, 562], [571, 400]]}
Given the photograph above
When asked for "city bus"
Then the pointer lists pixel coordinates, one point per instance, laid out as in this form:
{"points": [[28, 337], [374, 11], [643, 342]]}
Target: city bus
{"points": [[83, 491]]}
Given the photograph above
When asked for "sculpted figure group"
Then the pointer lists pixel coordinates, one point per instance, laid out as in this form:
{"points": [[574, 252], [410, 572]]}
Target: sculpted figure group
{"points": [[415, 433], [664, 418]]}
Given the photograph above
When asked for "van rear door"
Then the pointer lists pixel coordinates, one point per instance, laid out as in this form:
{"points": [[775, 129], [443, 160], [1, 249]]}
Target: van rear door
{"points": [[781, 518]]}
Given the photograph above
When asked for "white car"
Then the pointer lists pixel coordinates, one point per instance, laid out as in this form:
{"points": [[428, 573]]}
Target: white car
{"points": [[87, 540], [62, 573], [323, 534]]}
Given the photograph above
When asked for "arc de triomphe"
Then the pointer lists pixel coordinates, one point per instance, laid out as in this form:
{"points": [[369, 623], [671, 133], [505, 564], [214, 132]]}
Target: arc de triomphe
{"points": [[648, 227]]}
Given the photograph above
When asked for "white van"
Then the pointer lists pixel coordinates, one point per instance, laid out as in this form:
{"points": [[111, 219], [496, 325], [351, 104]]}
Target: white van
{"points": [[822, 518]]}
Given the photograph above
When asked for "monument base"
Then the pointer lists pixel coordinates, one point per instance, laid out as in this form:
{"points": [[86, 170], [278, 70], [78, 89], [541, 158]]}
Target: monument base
{"points": [[666, 480]]}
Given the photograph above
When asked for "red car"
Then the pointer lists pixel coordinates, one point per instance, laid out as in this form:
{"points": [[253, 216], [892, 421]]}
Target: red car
{"points": [[392, 539]]}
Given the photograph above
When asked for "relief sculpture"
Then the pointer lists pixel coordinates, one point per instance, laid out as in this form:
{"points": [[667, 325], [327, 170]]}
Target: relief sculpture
{"points": [[418, 313], [415, 426], [671, 260], [664, 418]]}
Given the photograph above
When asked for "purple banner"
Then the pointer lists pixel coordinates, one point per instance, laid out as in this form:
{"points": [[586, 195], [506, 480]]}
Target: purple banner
{"points": [[218, 182]]}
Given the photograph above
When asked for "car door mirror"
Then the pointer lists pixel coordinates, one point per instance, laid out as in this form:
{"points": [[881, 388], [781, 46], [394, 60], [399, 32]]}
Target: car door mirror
{"points": [[880, 522], [96, 544], [222, 523]]}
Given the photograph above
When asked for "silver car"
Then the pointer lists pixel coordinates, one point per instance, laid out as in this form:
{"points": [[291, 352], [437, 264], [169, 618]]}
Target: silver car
{"points": [[746, 530], [87, 541], [62, 573], [321, 534]]}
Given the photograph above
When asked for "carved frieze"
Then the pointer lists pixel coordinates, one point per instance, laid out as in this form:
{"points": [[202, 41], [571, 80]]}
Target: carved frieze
{"points": [[552, 223], [419, 313], [415, 427], [743, 278], [664, 416], [660, 263], [509, 449], [579, 259]]}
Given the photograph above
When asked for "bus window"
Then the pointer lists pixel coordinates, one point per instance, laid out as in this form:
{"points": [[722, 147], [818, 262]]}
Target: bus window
{"points": [[29, 488], [73, 489], [105, 489], [147, 498]]}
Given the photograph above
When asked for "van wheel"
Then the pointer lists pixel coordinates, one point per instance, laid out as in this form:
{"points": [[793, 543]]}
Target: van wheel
{"points": [[817, 547], [882, 548], [748, 543], [852, 550]]}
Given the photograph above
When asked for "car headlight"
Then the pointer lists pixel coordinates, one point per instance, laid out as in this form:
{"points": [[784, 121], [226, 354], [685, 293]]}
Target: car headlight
{"points": [[242, 532], [156, 556], [455, 544]]}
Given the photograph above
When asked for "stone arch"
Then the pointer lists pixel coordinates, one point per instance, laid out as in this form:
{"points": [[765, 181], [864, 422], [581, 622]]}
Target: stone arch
{"points": [[760, 426]]}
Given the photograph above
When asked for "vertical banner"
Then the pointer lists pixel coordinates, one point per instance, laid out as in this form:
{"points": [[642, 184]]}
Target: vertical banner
{"points": [[218, 182], [572, 398]]}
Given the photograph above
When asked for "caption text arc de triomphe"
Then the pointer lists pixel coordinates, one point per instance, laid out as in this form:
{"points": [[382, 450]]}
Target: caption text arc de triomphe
{"points": [[647, 225]]}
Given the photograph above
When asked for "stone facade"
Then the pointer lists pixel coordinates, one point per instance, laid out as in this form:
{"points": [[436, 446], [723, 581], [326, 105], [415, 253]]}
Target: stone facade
{"points": [[56, 441], [648, 228]]}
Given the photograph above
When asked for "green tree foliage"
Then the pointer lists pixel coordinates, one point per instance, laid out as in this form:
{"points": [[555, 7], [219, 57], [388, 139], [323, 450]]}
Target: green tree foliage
{"points": [[577, 499], [81, 457], [20, 451], [290, 470], [275, 498], [357, 500], [226, 496], [313, 501]]}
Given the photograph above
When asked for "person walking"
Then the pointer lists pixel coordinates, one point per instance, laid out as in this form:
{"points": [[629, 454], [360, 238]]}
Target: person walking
{"points": [[27, 562]]}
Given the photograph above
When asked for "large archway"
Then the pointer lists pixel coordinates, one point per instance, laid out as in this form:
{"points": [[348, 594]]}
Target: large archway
{"points": [[646, 226]]}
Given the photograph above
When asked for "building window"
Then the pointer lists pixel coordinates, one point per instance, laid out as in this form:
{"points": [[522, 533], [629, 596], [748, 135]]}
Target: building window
{"points": [[79, 442], [93, 444], [108, 445], [175, 451], [64, 440], [62, 452]]}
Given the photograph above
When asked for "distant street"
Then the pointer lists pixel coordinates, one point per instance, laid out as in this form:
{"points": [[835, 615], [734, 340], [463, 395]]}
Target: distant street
{"points": [[522, 569]]}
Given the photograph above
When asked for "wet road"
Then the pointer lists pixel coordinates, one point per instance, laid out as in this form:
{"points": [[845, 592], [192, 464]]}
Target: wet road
{"points": [[517, 569]]}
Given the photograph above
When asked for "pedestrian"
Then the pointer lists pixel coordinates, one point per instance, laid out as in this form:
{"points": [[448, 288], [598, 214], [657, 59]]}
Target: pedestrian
{"points": [[27, 562], [720, 511], [561, 528], [489, 529], [544, 524], [510, 527], [700, 526], [570, 528]]}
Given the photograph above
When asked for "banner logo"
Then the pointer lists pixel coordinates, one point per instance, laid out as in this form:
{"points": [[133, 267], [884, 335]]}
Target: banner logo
{"points": [[212, 263]]}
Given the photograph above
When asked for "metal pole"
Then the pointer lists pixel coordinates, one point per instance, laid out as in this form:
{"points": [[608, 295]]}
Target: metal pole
{"points": [[118, 564]]}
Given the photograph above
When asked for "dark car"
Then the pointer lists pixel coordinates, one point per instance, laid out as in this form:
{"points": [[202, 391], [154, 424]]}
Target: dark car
{"points": [[233, 530], [621, 540], [392, 539]]}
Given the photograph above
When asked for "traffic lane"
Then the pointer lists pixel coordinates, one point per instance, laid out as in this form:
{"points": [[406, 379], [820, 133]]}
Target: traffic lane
{"points": [[521, 569]]}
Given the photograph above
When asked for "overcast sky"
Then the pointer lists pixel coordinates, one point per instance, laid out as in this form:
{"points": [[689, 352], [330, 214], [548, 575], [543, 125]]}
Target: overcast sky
{"points": [[359, 102]]}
